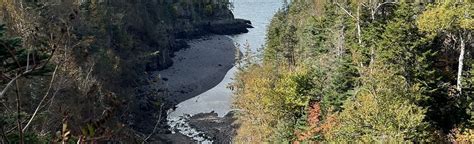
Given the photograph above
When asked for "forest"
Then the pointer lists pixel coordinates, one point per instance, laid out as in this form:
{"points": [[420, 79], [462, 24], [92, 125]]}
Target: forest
{"points": [[362, 71], [76, 71], [331, 71]]}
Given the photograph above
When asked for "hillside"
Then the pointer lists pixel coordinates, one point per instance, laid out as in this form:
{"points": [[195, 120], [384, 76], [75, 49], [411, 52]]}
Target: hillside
{"points": [[361, 72], [74, 70]]}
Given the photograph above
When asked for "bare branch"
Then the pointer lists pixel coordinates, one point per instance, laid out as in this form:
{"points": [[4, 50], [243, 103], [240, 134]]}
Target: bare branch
{"points": [[18, 108], [12, 54], [156, 125], [42, 100], [347, 12], [381, 4], [4, 135], [28, 59], [9, 84]]}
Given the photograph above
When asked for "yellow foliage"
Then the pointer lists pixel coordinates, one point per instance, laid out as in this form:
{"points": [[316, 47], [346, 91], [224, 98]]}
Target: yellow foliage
{"points": [[446, 16], [467, 136], [253, 95], [380, 112], [264, 97]]}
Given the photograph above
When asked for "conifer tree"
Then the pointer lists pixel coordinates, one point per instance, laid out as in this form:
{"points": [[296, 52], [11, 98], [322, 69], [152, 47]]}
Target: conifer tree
{"points": [[456, 20], [452, 23]]}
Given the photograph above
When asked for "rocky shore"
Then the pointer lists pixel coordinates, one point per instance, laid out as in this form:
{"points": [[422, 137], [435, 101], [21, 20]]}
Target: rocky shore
{"points": [[226, 27], [195, 70], [215, 27], [220, 130]]}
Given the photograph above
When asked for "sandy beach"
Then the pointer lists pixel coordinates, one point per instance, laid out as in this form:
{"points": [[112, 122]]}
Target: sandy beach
{"points": [[198, 68]]}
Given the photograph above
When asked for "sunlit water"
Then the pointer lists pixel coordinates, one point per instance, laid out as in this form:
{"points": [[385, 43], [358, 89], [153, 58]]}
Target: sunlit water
{"points": [[219, 98]]}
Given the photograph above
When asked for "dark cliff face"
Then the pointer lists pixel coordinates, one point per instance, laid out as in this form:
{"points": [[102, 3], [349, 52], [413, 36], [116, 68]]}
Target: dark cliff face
{"points": [[159, 25]]}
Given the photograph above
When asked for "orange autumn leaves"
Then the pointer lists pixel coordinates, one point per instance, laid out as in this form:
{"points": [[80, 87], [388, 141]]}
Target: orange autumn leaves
{"points": [[314, 124]]}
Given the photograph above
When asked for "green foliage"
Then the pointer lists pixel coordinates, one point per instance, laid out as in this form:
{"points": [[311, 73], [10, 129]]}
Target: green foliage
{"points": [[275, 98], [209, 8], [447, 16], [450, 22], [393, 86], [402, 47], [276, 29], [470, 97], [381, 111], [28, 138], [340, 86], [12, 55]]}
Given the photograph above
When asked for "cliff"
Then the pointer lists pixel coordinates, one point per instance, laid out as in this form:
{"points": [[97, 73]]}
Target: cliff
{"points": [[161, 24]]}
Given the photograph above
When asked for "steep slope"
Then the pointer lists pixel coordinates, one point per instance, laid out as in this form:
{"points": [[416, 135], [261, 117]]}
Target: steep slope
{"points": [[102, 50], [362, 72]]}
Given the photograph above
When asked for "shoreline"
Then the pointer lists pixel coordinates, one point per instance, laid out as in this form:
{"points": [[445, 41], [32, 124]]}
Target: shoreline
{"points": [[215, 123], [197, 68]]}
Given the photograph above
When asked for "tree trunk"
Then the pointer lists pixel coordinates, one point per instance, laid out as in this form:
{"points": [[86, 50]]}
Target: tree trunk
{"points": [[460, 66], [18, 108], [372, 49], [372, 15], [358, 26]]}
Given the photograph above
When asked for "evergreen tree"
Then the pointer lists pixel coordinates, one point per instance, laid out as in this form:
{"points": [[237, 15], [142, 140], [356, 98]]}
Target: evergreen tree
{"points": [[452, 23], [456, 20], [276, 29], [11, 53]]}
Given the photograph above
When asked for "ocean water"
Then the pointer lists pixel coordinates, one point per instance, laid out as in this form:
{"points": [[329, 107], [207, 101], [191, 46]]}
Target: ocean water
{"points": [[260, 12]]}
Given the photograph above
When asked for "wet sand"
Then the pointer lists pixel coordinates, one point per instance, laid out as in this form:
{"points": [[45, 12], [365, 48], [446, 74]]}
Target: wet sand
{"points": [[198, 68], [195, 71]]}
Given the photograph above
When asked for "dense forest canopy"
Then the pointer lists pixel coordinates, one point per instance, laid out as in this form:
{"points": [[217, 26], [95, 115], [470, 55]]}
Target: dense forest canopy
{"points": [[361, 71]]}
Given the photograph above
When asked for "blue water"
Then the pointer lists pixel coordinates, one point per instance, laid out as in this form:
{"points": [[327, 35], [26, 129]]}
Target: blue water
{"points": [[260, 12]]}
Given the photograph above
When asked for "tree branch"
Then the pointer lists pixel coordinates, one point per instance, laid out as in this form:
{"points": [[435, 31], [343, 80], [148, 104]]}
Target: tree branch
{"points": [[4, 135], [156, 125], [12, 54], [42, 100], [381, 4], [347, 12], [9, 84], [18, 108]]}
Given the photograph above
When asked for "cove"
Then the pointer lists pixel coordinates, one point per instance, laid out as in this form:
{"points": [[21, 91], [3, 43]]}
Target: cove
{"points": [[218, 99]]}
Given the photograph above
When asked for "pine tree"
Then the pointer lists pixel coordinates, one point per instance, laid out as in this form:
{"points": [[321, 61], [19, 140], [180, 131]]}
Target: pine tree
{"points": [[11, 53], [276, 30]]}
